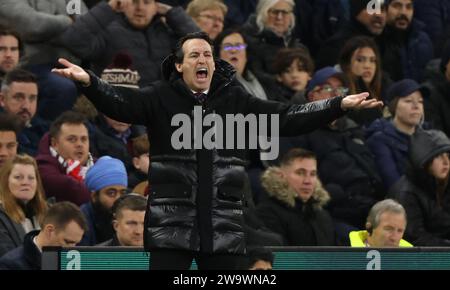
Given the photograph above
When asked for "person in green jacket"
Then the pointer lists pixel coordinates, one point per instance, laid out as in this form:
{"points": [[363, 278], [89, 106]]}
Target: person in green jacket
{"points": [[385, 226]]}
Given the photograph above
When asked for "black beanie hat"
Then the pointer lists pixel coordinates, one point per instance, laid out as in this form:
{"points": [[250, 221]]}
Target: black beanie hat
{"points": [[356, 6]]}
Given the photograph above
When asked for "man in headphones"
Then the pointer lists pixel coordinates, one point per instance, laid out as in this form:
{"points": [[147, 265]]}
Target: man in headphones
{"points": [[385, 227]]}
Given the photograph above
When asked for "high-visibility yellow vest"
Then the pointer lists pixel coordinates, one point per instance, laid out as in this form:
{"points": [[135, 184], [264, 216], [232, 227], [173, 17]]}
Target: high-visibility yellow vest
{"points": [[357, 239]]}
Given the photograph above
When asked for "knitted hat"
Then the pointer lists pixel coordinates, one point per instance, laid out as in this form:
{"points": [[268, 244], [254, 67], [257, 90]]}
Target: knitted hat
{"points": [[107, 171], [119, 72]]}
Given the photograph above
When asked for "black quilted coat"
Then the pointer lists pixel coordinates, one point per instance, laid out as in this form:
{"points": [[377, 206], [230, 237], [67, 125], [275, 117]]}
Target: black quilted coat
{"points": [[196, 195]]}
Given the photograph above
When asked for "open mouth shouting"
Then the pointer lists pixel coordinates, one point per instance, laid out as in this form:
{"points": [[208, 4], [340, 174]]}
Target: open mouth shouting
{"points": [[202, 74]]}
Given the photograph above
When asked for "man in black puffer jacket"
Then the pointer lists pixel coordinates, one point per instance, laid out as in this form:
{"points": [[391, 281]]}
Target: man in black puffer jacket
{"points": [[195, 200]]}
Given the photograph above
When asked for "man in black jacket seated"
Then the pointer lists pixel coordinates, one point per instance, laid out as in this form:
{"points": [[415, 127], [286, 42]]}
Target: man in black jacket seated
{"points": [[63, 226], [128, 221], [195, 201]]}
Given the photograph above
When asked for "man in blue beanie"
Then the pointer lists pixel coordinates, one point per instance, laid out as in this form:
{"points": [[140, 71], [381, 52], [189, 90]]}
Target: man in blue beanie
{"points": [[107, 180]]}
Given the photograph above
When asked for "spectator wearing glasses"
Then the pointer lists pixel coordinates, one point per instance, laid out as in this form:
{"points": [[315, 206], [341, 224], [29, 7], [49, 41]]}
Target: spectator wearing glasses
{"points": [[361, 62], [9, 130], [128, 221], [326, 83], [209, 15], [346, 165], [106, 181], [270, 29], [231, 46]]}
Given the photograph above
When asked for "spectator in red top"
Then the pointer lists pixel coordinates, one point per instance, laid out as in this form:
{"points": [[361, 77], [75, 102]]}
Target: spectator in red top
{"points": [[64, 158]]}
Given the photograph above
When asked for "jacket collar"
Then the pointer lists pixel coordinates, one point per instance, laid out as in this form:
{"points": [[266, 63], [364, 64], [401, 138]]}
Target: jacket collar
{"points": [[223, 75], [32, 253], [279, 189]]}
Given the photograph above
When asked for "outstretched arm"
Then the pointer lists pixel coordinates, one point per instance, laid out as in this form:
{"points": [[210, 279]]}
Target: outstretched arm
{"points": [[300, 119], [73, 72], [122, 104]]}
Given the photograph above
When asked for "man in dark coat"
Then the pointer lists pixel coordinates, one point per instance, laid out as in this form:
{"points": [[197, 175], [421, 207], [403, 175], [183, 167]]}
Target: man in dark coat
{"points": [[295, 208], [404, 46], [128, 221], [361, 23], [137, 29], [63, 226], [195, 203], [436, 14], [19, 96]]}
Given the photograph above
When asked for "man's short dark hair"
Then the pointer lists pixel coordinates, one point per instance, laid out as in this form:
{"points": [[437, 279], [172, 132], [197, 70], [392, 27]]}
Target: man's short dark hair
{"points": [[131, 201], [10, 122], [19, 76], [296, 153], [179, 54], [68, 117], [257, 254], [61, 214], [6, 31]]}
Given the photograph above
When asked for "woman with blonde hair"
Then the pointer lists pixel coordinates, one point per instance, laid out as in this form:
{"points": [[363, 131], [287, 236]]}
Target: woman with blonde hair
{"points": [[270, 29], [209, 15], [22, 201]]}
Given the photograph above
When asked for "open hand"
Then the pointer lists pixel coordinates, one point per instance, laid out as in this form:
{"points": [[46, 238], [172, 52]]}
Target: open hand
{"points": [[73, 72], [359, 101]]}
